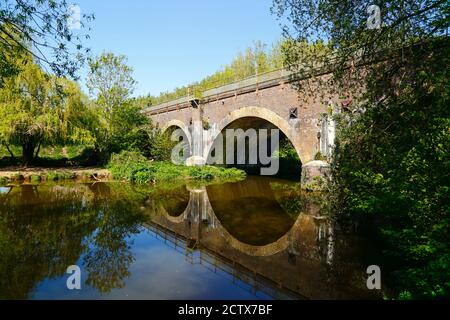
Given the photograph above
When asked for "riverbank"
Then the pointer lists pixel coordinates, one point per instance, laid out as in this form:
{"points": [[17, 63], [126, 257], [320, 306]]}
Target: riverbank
{"points": [[40, 174], [121, 170], [133, 167]]}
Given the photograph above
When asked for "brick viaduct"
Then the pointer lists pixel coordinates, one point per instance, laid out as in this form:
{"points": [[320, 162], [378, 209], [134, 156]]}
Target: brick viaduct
{"points": [[269, 97]]}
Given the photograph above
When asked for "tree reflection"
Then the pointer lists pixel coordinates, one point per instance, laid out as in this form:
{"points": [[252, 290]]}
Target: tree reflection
{"points": [[109, 259], [39, 239], [44, 229]]}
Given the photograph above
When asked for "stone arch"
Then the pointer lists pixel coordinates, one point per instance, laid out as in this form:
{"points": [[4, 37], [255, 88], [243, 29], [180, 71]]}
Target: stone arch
{"points": [[263, 113], [180, 125]]}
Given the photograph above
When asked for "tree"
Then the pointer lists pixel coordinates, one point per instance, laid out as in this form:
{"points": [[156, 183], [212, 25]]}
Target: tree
{"points": [[110, 81], [124, 127], [37, 108], [389, 160], [42, 29], [255, 60]]}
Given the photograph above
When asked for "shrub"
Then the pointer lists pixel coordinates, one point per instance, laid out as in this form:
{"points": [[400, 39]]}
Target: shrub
{"points": [[35, 178], [134, 167], [54, 176], [3, 181]]}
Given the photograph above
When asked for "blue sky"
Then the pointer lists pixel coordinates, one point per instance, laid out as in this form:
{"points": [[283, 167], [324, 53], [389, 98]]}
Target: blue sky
{"points": [[170, 43]]}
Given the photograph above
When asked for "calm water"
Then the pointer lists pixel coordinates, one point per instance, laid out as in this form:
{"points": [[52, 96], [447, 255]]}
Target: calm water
{"points": [[256, 239]]}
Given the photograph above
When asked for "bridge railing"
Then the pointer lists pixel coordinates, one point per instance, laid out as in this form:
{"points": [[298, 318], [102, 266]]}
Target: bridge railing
{"points": [[250, 82], [236, 85], [254, 81]]}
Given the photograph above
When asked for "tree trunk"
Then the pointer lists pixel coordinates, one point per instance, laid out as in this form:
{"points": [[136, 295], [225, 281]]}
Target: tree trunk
{"points": [[28, 153], [9, 150], [37, 151]]}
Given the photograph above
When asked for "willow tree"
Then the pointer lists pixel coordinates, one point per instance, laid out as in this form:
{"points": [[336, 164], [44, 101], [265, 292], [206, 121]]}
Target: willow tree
{"points": [[37, 108]]}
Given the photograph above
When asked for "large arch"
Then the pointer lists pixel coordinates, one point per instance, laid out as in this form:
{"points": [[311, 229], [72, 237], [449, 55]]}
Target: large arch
{"points": [[265, 114]]}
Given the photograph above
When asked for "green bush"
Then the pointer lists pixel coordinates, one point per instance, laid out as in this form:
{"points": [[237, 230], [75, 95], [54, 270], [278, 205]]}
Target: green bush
{"points": [[54, 176], [35, 178], [3, 181], [134, 167]]}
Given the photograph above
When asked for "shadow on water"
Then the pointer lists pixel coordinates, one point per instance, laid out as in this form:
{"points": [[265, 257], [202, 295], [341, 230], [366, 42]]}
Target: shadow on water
{"points": [[260, 238]]}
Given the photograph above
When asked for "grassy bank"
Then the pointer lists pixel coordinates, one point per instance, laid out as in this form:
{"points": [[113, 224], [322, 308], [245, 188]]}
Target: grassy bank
{"points": [[36, 175], [51, 156], [126, 166], [133, 167]]}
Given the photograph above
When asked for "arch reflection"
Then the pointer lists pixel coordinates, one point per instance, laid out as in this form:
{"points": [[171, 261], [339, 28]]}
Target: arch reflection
{"points": [[248, 216], [292, 263]]}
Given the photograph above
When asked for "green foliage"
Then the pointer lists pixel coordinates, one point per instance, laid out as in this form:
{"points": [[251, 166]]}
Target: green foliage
{"points": [[134, 167], [160, 145], [391, 162], [3, 181], [56, 176], [40, 28], [121, 125], [255, 60], [35, 178], [38, 109], [110, 81], [395, 174], [123, 165], [210, 173], [286, 150], [320, 156], [290, 164]]}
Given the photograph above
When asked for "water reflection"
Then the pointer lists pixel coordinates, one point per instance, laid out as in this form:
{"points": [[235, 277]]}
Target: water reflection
{"points": [[260, 236], [45, 229]]}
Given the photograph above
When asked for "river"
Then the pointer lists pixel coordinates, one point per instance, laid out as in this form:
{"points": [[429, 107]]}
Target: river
{"points": [[260, 238]]}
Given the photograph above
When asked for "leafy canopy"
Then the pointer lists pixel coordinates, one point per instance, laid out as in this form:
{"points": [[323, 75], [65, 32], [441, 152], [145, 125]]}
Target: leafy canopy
{"points": [[390, 161], [42, 29], [37, 108]]}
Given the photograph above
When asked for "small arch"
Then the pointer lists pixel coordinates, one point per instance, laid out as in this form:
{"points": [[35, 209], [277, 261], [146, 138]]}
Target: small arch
{"points": [[184, 128], [179, 124]]}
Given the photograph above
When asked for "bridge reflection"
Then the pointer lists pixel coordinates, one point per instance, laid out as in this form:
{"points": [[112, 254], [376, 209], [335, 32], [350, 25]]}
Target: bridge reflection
{"points": [[291, 256]]}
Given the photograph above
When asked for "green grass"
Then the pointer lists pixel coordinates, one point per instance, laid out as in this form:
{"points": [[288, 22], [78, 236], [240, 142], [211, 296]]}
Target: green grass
{"points": [[55, 176], [133, 167], [35, 178], [56, 155], [3, 181]]}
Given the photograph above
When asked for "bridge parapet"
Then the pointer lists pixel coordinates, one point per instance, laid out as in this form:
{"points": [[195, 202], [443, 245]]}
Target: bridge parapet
{"points": [[172, 105], [260, 81], [250, 84]]}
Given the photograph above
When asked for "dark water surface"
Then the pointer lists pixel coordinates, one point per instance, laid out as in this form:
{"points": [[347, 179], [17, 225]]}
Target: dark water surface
{"points": [[256, 239]]}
